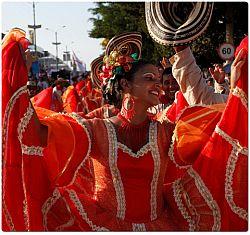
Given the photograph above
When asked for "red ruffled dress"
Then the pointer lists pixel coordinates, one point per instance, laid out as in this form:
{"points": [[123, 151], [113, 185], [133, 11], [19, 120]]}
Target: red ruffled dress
{"points": [[85, 179]]}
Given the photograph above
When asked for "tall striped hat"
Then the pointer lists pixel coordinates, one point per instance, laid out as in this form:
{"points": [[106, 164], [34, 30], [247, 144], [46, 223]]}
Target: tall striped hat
{"points": [[96, 66], [126, 43], [177, 23]]}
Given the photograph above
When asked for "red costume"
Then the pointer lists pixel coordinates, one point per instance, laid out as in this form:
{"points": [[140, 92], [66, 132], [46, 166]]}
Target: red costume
{"points": [[91, 176], [46, 99]]}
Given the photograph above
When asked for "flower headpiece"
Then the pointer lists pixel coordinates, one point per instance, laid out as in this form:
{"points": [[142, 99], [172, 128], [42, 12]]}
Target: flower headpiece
{"points": [[116, 63], [120, 54]]}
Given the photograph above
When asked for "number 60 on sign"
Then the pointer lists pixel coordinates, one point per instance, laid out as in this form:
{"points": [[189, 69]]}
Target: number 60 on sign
{"points": [[226, 51]]}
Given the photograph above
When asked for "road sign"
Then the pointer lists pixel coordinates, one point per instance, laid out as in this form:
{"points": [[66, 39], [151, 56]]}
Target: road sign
{"points": [[226, 51]]}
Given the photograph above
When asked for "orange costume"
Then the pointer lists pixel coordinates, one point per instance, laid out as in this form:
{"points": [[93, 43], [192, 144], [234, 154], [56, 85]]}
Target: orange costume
{"points": [[91, 177], [71, 100]]}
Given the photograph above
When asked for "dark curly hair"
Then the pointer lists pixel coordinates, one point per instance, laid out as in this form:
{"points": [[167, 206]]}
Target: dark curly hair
{"points": [[112, 91]]}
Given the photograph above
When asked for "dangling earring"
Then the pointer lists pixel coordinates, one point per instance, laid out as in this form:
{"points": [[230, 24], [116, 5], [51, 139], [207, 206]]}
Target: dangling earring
{"points": [[127, 110]]}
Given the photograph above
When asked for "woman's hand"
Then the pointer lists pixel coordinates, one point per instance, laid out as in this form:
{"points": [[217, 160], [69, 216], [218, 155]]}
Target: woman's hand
{"points": [[217, 73], [236, 66]]}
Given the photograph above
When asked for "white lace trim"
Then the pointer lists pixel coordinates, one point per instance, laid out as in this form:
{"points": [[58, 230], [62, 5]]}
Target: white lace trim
{"points": [[229, 195], [24, 121], [32, 150], [241, 94], [74, 198], [139, 153], [171, 153], [157, 163], [47, 206], [116, 177], [177, 189], [207, 197], [230, 168], [234, 142], [163, 116], [139, 227], [8, 110], [7, 114]]}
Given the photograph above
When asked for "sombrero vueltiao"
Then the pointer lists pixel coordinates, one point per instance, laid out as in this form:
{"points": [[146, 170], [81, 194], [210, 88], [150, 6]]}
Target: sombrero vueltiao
{"points": [[177, 23], [96, 66], [125, 43]]}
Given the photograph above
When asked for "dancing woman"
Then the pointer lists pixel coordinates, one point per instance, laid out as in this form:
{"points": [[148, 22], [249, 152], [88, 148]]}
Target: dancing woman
{"points": [[75, 174]]}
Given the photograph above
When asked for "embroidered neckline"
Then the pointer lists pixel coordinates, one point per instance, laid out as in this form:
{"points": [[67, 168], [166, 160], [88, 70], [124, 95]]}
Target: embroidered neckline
{"points": [[143, 150]]}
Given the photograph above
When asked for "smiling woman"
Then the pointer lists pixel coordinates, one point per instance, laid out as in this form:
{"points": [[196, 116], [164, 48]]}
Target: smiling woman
{"points": [[114, 174]]}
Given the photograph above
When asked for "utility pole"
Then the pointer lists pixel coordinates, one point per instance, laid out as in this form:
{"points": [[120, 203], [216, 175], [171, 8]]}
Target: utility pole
{"points": [[56, 43], [34, 27], [66, 56]]}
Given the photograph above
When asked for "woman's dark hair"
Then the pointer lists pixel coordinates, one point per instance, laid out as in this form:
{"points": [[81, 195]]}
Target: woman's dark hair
{"points": [[112, 91]]}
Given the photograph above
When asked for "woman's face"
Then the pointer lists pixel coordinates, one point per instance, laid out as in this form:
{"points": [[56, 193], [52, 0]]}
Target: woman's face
{"points": [[146, 85]]}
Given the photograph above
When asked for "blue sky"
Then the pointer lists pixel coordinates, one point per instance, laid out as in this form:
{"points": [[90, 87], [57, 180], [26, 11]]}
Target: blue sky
{"points": [[53, 15]]}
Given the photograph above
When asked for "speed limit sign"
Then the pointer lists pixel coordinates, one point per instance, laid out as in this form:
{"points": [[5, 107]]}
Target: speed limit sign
{"points": [[226, 51]]}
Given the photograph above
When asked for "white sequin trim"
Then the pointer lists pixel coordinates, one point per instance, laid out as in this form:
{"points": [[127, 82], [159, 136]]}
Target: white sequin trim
{"points": [[171, 153], [207, 197], [139, 227], [234, 142], [74, 198], [157, 163], [241, 94], [177, 189], [8, 110], [139, 154], [47, 205], [32, 150], [116, 177], [24, 121], [230, 168]]}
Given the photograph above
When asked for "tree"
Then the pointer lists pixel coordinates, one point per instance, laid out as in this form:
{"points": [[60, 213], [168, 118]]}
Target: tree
{"points": [[112, 18]]}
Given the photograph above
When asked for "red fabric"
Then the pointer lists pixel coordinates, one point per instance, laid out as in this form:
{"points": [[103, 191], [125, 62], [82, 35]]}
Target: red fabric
{"points": [[176, 108], [46, 99], [80, 86], [222, 165], [243, 81], [43, 99], [136, 183], [64, 190]]}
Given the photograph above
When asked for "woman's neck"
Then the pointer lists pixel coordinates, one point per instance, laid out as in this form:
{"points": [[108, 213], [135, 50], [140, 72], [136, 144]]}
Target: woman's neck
{"points": [[139, 114]]}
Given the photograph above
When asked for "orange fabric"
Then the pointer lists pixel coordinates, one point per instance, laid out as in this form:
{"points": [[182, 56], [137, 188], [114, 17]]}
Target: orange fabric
{"points": [[71, 100], [64, 190], [194, 129]]}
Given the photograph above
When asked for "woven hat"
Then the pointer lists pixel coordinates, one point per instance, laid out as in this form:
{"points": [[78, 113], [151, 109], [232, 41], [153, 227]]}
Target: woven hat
{"points": [[96, 66], [124, 44], [177, 23]]}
